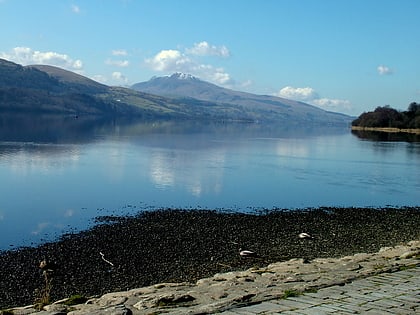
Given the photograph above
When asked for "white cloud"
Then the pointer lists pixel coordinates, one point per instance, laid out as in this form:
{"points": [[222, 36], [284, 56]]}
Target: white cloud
{"points": [[246, 84], [205, 49], [333, 104], [168, 60], [119, 52], [100, 78], [119, 78], [220, 76], [298, 94], [28, 56], [173, 60], [115, 78], [310, 96], [75, 8], [384, 70], [117, 63]]}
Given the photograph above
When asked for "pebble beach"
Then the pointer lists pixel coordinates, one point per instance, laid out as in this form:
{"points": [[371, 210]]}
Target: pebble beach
{"points": [[176, 245]]}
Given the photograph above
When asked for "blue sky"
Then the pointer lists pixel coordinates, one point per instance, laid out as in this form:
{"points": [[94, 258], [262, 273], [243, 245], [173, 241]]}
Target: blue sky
{"points": [[341, 55]]}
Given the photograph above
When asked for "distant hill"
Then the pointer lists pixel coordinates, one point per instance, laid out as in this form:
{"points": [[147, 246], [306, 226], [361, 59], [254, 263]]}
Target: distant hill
{"points": [[48, 89], [16, 76], [72, 81], [260, 107], [31, 89]]}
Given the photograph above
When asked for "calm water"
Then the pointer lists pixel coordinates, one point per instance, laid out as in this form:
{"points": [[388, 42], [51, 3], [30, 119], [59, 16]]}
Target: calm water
{"points": [[56, 175]]}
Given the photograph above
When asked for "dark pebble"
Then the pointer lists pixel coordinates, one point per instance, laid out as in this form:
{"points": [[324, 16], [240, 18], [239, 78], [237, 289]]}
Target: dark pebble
{"points": [[185, 245]]}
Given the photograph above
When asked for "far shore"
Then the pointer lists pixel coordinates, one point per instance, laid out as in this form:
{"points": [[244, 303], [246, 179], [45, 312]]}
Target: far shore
{"points": [[386, 129]]}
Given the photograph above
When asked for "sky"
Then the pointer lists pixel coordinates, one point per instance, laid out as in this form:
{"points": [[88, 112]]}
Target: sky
{"points": [[348, 56]]}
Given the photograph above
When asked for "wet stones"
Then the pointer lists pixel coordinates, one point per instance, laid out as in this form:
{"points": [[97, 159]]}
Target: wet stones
{"points": [[254, 285], [183, 246]]}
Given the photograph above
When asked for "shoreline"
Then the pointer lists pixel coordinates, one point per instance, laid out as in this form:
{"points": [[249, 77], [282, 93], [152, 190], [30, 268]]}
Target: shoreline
{"points": [[188, 245], [273, 285], [386, 129]]}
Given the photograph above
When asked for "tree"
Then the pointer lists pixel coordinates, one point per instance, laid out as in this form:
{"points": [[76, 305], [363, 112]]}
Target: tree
{"points": [[414, 107], [386, 116]]}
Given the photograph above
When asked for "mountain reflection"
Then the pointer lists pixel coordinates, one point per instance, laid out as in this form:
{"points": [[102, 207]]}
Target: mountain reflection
{"points": [[60, 172], [51, 128], [54, 129], [191, 154]]}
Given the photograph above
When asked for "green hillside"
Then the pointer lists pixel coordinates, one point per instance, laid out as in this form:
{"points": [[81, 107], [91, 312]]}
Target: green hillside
{"points": [[47, 89]]}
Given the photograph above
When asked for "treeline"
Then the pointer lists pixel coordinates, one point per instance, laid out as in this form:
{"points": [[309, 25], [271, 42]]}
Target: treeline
{"points": [[385, 116]]}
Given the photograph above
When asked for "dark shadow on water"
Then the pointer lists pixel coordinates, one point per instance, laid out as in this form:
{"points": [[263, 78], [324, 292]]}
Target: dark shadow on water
{"points": [[56, 129], [52, 129], [386, 136]]}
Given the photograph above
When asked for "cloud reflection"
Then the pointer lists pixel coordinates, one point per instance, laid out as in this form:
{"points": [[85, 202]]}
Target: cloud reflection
{"points": [[162, 169], [197, 171], [292, 149], [69, 213], [45, 227], [30, 157], [41, 227]]}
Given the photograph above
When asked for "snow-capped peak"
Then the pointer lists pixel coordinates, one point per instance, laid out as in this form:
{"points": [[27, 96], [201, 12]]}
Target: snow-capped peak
{"points": [[182, 76]]}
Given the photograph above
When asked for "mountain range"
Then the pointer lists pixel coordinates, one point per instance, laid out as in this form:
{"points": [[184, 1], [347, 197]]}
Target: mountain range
{"points": [[261, 107], [48, 89]]}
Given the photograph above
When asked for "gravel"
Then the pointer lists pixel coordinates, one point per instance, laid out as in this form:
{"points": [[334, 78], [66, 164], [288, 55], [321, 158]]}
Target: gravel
{"points": [[175, 245]]}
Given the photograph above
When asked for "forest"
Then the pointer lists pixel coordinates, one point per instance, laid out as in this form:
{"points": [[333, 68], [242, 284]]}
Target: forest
{"points": [[388, 117]]}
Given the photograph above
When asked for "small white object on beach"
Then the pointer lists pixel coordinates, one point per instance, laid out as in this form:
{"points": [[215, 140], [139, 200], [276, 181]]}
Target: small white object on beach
{"points": [[247, 253], [45, 265], [105, 260], [304, 235]]}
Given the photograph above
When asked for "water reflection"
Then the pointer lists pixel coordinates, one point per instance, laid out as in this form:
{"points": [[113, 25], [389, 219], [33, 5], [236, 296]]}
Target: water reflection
{"points": [[389, 142], [51, 128], [23, 157], [58, 173], [292, 148], [197, 170], [386, 136]]}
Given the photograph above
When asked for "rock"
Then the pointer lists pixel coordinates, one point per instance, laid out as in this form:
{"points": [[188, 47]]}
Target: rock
{"points": [[353, 266], [409, 254], [114, 310], [111, 300], [147, 252], [56, 308], [292, 279], [223, 290], [414, 243], [29, 309], [165, 300], [50, 313]]}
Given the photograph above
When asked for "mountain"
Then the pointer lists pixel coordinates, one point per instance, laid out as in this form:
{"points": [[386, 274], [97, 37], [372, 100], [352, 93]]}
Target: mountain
{"points": [[72, 81], [48, 89], [13, 75], [29, 89], [261, 107], [42, 89]]}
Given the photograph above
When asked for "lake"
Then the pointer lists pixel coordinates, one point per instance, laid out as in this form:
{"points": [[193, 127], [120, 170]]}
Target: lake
{"points": [[58, 173]]}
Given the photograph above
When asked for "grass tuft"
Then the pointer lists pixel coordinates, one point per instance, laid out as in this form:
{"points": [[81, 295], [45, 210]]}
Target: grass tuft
{"points": [[291, 293], [76, 299]]}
